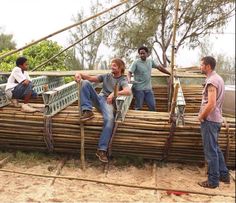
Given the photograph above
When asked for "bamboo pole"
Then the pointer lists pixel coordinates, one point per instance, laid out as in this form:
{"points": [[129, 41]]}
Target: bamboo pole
{"points": [[173, 48], [106, 23], [82, 159], [59, 168], [117, 184], [142, 134], [62, 30]]}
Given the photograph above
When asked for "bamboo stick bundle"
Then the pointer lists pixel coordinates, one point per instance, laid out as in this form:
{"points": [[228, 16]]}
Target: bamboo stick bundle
{"points": [[142, 134], [20, 129], [161, 97], [193, 97]]}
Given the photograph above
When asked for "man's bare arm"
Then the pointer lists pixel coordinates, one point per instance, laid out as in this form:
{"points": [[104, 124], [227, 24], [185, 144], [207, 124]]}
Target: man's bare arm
{"points": [[163, 70], [129, 76], [126, 91], [79, 76], [211, 103]]}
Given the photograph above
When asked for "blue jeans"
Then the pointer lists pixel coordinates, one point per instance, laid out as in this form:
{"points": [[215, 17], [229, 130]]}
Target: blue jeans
{"points": [[88, 97], [144, 96], [213, 155], [20, 91]]}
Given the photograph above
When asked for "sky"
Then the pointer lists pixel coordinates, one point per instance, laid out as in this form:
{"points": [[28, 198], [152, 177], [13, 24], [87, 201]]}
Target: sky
{"points": [[29, 20]]}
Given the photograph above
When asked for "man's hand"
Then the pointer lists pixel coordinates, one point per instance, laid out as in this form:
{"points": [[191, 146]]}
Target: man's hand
{"points": [[78, 77], [129, 75], [110, 98], [200, 118]]}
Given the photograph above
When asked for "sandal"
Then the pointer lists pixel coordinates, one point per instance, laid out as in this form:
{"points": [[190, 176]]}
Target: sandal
{"points": [[206, 184]]}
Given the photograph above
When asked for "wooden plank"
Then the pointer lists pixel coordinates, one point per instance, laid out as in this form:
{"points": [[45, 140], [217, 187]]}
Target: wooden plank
{"points": [[155, 72]]}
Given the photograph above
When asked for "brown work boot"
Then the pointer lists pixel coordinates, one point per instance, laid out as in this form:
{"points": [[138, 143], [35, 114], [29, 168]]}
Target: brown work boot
{"points": [[102, 155], [86, 115], [206, 184], [225, 179], [15, 103]]}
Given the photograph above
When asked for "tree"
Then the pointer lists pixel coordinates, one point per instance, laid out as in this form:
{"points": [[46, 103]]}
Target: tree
{"points": [[151, 24], [43, 51], [225, 65], [86, 51], [6, 42], [71, 61], [226, 68], [36, 55]]}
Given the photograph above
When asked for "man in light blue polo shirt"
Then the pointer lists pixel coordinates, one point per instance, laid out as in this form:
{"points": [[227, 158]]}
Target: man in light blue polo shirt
{"points": [[141, 70]]}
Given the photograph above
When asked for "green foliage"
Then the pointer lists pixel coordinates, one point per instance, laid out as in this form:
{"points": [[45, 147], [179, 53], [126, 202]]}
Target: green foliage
{"points": [[8, 62], [226, 68], [225, 65], [151, 24], [43, 51], [69, 79], [36, 55], [71, 61], [6, 42]]}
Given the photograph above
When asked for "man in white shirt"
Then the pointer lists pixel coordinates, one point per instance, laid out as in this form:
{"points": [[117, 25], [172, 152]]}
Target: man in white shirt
{"points": [[19, 86]]}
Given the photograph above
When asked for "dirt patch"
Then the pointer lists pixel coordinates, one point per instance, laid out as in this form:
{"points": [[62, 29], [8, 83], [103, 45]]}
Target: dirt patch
{"points": [[16, 187]]}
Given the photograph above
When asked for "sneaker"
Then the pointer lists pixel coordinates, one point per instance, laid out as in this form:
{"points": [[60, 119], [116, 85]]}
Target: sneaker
{"points": [[28, 109], [102, 155], [225, 179], [15, 103], [206, 184], [86, 115]]}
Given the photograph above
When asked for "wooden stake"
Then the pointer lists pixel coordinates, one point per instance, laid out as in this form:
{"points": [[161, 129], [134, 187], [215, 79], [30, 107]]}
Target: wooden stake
{"points": [[82, 159], [59, 167]]}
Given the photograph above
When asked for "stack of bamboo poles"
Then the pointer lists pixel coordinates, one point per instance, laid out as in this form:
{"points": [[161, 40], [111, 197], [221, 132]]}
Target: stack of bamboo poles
{"points": [[20, 130], [161, 96], [193, 97], [142, 134]]}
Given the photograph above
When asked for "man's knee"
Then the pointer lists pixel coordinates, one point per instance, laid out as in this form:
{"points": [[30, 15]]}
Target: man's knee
{"points": [[85, 83]]}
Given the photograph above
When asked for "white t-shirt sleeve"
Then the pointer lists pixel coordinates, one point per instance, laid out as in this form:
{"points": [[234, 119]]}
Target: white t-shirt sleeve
{"points": [[19, 76], [15, 78]]}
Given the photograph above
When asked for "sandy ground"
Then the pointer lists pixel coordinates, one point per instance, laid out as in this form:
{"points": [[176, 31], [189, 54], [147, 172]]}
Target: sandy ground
{"points": [[27, 188]]}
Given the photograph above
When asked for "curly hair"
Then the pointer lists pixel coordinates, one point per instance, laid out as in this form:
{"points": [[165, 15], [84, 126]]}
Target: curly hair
{"points": [[143, 48], [20, 61], [120, 63]]}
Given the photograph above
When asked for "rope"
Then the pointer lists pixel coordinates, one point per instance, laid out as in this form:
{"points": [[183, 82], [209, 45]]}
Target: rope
{"points": [[169, 138], [42, 64], [62, 30], [172, 120]]}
